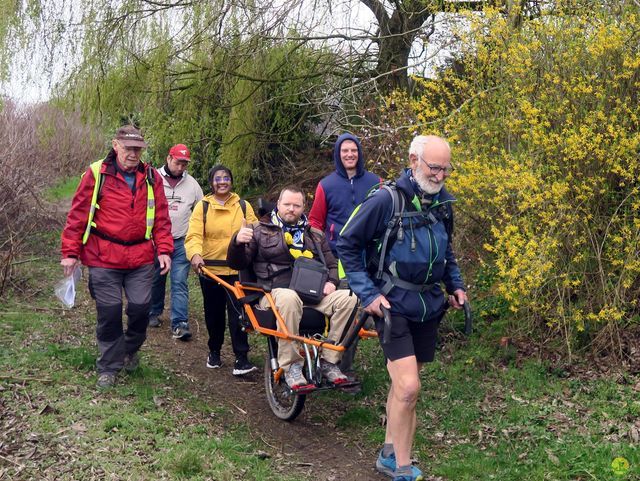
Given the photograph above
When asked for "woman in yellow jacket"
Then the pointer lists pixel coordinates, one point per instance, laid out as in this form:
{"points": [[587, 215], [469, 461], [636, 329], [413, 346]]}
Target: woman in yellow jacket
{"points": [[206, 245]]}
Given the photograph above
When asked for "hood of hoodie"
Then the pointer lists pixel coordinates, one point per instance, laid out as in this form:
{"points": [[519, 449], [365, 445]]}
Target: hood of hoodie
{"points": [[338, 162]]}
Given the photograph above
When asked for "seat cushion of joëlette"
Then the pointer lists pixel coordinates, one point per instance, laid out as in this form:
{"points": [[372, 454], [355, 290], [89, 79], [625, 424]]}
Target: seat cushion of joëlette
{"points": [[313, 322]]}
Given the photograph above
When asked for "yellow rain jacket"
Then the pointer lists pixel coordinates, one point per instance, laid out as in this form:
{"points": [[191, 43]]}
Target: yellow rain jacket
{"points": [[210, 239]]}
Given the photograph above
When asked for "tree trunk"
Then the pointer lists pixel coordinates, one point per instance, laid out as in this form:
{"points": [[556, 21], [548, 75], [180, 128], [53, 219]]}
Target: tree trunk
{"points": [[393, 60], [396, 35]]}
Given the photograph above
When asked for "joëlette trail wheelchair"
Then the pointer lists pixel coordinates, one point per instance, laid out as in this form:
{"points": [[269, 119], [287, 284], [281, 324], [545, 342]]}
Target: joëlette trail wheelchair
{"points": [[286, 403]]}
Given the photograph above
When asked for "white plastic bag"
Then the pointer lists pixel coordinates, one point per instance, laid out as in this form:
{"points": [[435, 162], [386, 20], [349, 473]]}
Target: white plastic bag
{"points": [[66, 288]]}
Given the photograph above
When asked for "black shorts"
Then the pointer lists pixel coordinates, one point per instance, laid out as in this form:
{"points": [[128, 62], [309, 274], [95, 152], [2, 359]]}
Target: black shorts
{"points": [[409, 338]]}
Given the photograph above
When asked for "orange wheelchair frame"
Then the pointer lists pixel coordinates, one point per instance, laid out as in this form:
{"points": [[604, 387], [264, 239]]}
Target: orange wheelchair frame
{"points": [[285, 402]]}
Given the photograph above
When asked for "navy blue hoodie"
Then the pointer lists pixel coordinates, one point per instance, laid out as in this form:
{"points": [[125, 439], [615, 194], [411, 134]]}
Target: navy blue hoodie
{"points": [[337, 195]]}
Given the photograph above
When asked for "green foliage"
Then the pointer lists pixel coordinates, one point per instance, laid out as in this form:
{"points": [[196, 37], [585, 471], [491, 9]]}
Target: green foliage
{"points": [[240, 141], [270, 113], [11, 29], [231, 99]]}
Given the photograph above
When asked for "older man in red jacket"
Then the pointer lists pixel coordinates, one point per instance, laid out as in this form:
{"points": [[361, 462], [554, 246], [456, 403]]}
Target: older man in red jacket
{"points": [[117, 224]]}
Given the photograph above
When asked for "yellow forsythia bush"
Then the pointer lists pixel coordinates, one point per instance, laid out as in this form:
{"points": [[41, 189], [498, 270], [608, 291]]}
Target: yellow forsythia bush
{"points": [[543, 121]]}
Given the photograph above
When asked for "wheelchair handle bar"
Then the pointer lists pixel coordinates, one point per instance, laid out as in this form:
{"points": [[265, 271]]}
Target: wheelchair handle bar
{"points": [[468, 319], [386, 335], [355, 330]]}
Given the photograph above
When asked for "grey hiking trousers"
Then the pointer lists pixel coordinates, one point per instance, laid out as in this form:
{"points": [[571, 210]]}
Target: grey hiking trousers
{"points": [[106, 287]]}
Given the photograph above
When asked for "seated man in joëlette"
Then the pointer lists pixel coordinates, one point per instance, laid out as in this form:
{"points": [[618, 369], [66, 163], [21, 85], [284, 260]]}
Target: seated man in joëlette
{"points": [[271, 246]]}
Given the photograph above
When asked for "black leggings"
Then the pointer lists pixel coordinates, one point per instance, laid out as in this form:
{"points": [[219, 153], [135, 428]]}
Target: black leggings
{"points": [[216, 297]]}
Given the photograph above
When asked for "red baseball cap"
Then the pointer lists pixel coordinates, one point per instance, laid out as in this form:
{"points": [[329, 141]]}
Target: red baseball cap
{"points": [[180, 152]]}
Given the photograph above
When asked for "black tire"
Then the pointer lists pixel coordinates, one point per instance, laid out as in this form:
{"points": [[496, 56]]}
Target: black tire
{"points": [[284, 404]]}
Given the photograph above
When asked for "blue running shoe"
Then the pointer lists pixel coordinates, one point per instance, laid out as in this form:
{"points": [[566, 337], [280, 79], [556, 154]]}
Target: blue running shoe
{"points": [[416, 475], [386, 465]]}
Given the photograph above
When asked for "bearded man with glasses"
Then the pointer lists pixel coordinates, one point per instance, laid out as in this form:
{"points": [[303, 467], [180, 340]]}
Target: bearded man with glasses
{"points": [[406, 281]]}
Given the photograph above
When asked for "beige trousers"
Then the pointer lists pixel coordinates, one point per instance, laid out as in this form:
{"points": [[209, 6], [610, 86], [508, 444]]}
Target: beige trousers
{"points": [[337, 306]]}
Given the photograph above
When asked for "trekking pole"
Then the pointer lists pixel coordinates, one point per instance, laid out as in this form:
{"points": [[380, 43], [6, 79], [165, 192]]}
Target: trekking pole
{"points": [[386, 335], [468, 320]]}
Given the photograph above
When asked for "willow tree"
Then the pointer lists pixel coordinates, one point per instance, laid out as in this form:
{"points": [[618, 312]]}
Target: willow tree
{"points": [[184, 67], [177, 70], [375, 49]]}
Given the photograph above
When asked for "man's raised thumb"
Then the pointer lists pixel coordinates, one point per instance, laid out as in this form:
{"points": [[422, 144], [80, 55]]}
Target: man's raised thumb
{"points": [[244, 223]]}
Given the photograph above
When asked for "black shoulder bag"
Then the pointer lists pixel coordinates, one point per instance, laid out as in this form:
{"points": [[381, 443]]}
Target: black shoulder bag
{"points": [[309, 277]]}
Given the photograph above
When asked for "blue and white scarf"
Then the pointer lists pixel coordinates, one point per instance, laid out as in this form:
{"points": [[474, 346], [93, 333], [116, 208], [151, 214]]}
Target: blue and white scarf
{"points": [[296, 231]]}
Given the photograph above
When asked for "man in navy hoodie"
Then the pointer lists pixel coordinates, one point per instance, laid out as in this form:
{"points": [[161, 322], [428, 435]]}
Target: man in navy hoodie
{"points": [[336, 196], [341, 191]]}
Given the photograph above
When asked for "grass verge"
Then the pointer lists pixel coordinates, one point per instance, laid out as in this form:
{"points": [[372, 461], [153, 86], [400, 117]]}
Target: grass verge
{"points": [[484, 412], [63, 189], [56, 425]]}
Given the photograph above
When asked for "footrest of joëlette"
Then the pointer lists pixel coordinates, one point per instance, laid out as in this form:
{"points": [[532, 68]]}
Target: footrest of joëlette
{"points": [[341, 385], [345, 384], [304, 389]]}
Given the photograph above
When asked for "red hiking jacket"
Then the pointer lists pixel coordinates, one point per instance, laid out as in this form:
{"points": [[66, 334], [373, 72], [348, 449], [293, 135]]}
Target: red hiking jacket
{"points": [[122, 215]]}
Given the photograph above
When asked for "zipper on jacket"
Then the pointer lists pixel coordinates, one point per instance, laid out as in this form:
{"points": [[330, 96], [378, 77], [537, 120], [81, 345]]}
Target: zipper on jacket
{"points": [[353, 192]]}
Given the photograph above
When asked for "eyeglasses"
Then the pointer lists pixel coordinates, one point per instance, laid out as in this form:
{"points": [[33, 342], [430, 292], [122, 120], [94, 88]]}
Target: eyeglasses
{"points": [[226, 178], [436, 169]]}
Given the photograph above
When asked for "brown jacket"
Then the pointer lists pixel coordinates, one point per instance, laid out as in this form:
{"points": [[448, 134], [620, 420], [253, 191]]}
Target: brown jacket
{"points": [[270, 257]]}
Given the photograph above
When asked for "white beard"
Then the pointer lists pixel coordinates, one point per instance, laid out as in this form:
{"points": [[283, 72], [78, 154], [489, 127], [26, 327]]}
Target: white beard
{"points": [[427, 186]]}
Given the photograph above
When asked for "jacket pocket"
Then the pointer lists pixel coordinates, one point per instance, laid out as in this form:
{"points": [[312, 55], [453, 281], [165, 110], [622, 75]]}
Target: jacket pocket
{"points": [[270, 241]]}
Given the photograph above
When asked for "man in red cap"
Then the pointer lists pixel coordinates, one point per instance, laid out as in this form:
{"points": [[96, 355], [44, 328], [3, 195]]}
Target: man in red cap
{"points": [[182, 192], [117, 225]]}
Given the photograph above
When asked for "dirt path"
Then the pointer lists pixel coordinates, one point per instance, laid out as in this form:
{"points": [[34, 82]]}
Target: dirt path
{"points": [[312, 443], [311, 446]]}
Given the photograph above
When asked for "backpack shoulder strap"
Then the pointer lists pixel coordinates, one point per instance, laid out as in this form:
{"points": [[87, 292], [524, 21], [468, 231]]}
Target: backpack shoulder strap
{"points": [[398, 203], [243, 206], [205, 208], [151, 175], [448, 222]]}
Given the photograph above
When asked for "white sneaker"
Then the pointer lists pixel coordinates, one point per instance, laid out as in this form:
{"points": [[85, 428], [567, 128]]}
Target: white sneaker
{"points": [[294, 377], [331, 372]]}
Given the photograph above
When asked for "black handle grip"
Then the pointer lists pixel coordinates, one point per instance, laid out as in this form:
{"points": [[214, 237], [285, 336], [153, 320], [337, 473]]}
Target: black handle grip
{"points": [[468, 319], [386, 335]]}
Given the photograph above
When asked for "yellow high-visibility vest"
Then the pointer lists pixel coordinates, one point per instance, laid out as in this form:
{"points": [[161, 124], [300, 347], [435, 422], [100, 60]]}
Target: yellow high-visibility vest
{"points": [[151, 203]]}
